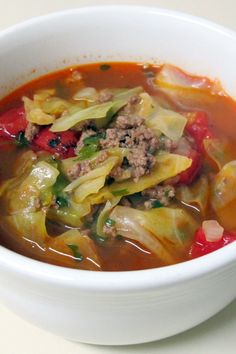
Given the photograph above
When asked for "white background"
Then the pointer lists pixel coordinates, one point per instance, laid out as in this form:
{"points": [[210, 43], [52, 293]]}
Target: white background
{"points": [[217, 335]]}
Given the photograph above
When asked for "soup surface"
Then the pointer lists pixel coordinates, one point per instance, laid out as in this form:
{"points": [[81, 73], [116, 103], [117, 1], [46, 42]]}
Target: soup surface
{"points": [[117, 166]]}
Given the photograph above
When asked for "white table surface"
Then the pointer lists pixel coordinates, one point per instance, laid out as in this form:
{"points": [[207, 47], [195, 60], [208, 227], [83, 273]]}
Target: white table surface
{"points": [[217, 335]]}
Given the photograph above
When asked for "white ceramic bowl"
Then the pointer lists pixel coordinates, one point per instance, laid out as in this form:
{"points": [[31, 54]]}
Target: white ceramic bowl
{"points": [[123, 307]]}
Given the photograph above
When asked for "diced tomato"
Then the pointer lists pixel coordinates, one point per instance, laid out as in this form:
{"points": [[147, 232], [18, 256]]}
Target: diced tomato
{"points": [[57, 143], [198, 128], [187, 176], [201, 246], [12, 122]]}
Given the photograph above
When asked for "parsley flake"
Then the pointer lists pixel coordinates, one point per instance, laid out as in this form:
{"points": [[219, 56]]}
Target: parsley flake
{"points": [[61, 202], [109, 222], [157, 204], [87, 151], [105, 67], [21, 140], [78, 256]]}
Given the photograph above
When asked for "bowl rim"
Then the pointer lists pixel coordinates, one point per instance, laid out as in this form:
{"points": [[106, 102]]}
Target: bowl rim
{"points": [[126, 281], [204, 22]]}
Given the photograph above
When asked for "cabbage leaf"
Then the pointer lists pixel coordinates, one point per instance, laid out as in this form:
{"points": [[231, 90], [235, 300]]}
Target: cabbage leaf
{"points": [[168, 122], [101, 113], [147, 105], [26, 191], [27, 225], [167, 166], [89, 94], [71, 215], [102, 170], [78, 247], [126, 94], [219, 152], [223, 195], [196, 194], [35, 114], [104, 214], [166, 232]]}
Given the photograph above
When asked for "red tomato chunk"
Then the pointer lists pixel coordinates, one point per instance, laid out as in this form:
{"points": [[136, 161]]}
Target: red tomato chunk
{"points": [[13, 122], [201, 246], [198, 128], [57, 143], [187, 177]]}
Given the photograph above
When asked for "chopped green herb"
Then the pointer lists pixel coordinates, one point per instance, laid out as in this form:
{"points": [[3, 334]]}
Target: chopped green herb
{"points": [[91, 146], [157, 204], [120, 192], [119, 238], [97, 238], [54, 142], [105, 67], [62, 201], [21, 140], [94, 139], [78, 256], [60, 184], [109, 222], [87, 151]]}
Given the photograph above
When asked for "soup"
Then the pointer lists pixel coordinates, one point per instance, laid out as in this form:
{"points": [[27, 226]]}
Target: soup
{"points": [[117, 166]]}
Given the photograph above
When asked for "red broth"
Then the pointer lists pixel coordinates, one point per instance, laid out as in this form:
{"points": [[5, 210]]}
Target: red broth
{"points": [[118, 253]]}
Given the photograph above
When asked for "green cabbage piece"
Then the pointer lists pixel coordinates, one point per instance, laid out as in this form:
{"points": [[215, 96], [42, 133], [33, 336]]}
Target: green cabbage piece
{"points": [[147, 106], [35, 114], [167, 122], [94, 112], [102, 113], [102, 170], [55, 105], [90, 187], [167, 166], [166, 232], [22, 168], [219, 152], [223, 195], [27, 225], [67, 164], [77, 246], [126, 94], [31, 227], [89, 94], [71, 215], [26, 191], [196, 194], [104, 214]]}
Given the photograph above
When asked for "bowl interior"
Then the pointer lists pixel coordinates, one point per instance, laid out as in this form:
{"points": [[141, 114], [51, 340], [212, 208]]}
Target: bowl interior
{"points": [[100, 34], [95, 34]]}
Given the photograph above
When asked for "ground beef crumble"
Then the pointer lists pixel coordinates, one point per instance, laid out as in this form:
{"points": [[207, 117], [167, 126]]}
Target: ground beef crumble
{"points": [[105, 96], [83, 167], [130, 108], [162, 194], [30, 131], [110, 231], [130, 131], [78, 170], [127, 131]]}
